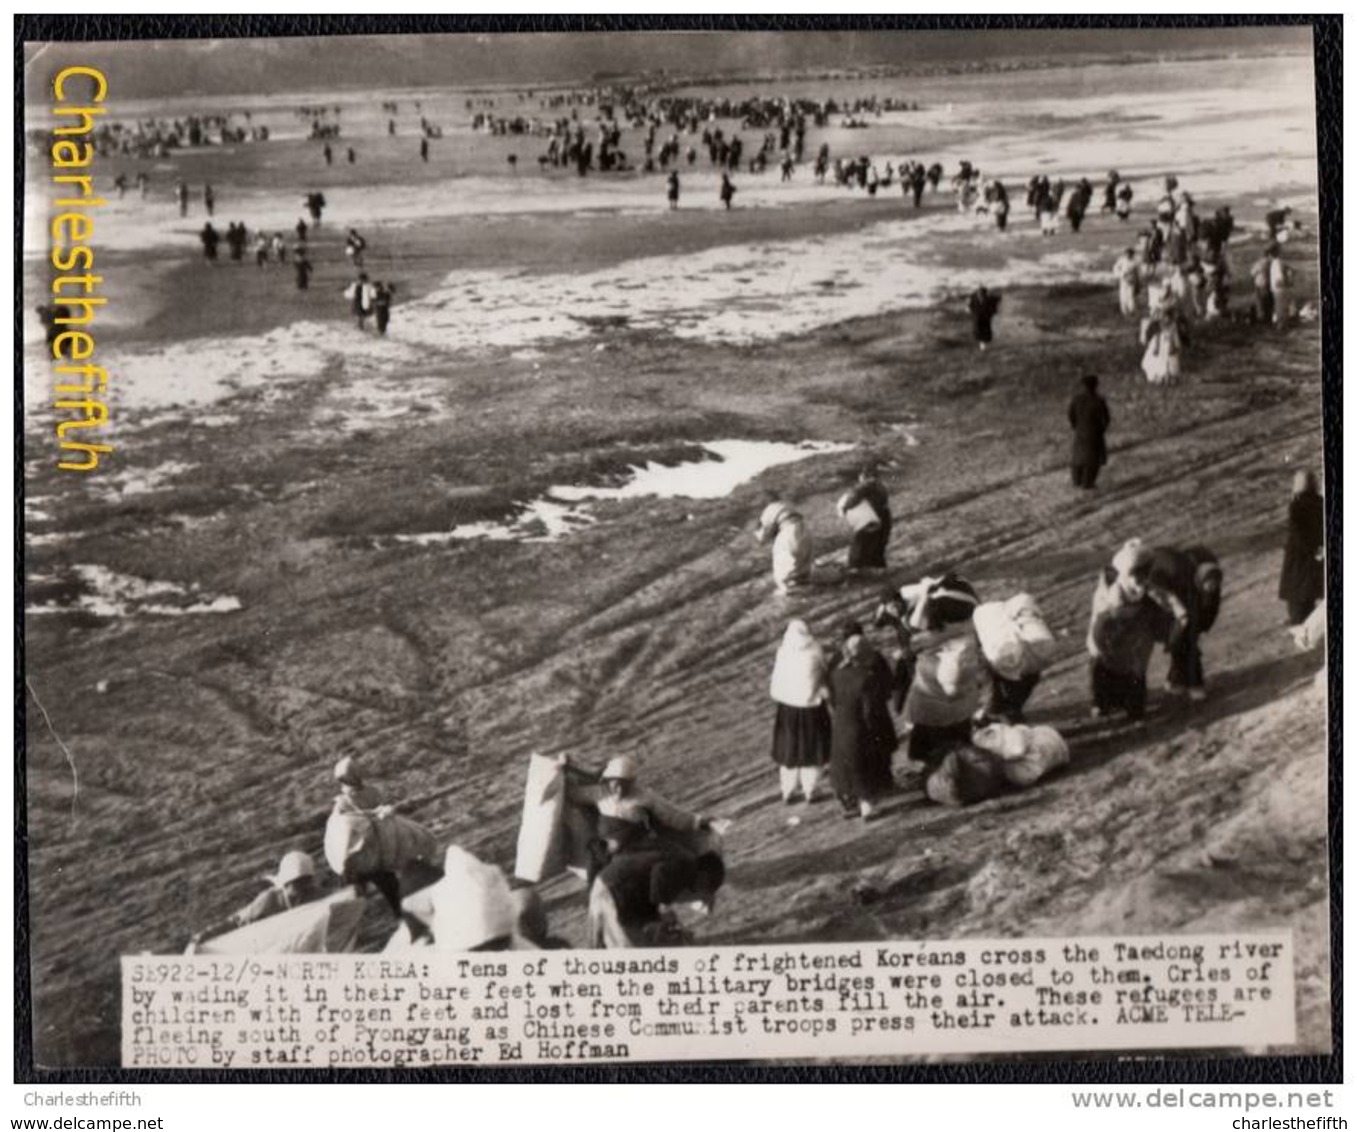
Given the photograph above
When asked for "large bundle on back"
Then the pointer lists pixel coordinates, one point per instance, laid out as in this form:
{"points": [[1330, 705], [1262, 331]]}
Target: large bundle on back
{"points": [[561, 820], [542, 845], [1014, 636], [367, 841]]}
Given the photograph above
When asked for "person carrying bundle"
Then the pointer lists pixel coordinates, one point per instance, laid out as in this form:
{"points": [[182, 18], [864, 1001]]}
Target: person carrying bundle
{"points": [[867, 509], [944, 692], [367, 841], [1016, 646], [1127, 619], [628, 813]]}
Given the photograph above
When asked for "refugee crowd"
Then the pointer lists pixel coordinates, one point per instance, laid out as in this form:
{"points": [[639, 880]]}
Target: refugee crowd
{"points": [[935, 669], [932, 667]]}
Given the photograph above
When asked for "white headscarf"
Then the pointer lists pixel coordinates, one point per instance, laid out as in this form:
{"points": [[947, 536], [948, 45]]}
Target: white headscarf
{"points": [[799, 670], [472, 904]]}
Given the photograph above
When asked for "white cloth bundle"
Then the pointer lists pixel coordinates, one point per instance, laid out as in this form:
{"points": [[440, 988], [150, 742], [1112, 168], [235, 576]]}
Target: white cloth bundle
{"points": [[1028, 753], [1014, 636]]}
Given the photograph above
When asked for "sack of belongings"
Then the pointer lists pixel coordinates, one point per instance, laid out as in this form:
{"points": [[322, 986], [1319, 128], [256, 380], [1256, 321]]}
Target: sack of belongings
{"points": [[368, 841], [1014, 636], [966, 776], [860, 517], [542, 849], [1026, 754], [471, 906]]}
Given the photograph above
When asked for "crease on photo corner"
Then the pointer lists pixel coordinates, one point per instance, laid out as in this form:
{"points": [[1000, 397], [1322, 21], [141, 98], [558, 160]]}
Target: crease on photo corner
{"points": [[65, 750], [41, 50]]}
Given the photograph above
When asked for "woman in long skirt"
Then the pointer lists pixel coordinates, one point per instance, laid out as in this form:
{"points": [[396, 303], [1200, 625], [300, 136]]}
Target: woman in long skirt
{"points": [[801, 728], [864, 737]]}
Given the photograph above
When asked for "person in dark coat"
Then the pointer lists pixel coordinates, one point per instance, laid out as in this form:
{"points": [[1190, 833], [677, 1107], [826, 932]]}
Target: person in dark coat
{"points": [[303, 267], [1090, 419], [867, 551], [1302, 581], [727, 190], [381, 306], [863, 736], [210, 238], [1193, 577], [631, 899], [983, 307]]}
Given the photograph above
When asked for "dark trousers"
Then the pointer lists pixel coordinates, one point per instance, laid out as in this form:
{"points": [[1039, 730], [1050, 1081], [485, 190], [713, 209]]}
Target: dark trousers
{"points": [[930, 745], [1117, 691], [385, 881], [1185, 661], [901, 678], [1007, 698]]}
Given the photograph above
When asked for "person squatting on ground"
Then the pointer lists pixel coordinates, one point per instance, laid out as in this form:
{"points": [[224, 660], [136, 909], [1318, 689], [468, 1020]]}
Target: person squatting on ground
{"points": [[633, 898], [293, 885], [863, 737], [1302, 582], [629, 813], [783, 526], [801, 726], [1089, 419]]}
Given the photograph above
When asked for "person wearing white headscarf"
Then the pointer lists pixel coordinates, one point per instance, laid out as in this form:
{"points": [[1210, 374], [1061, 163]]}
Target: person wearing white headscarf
{"points": [[801, 728], [783, 525]]}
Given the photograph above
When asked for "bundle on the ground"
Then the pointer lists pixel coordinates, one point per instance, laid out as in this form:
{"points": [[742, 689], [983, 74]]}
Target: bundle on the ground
{"points": [[321, 926], [1027, 754]]}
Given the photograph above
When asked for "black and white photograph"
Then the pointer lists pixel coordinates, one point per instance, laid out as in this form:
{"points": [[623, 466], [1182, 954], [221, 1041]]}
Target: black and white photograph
{"points": [[662, 492]]}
